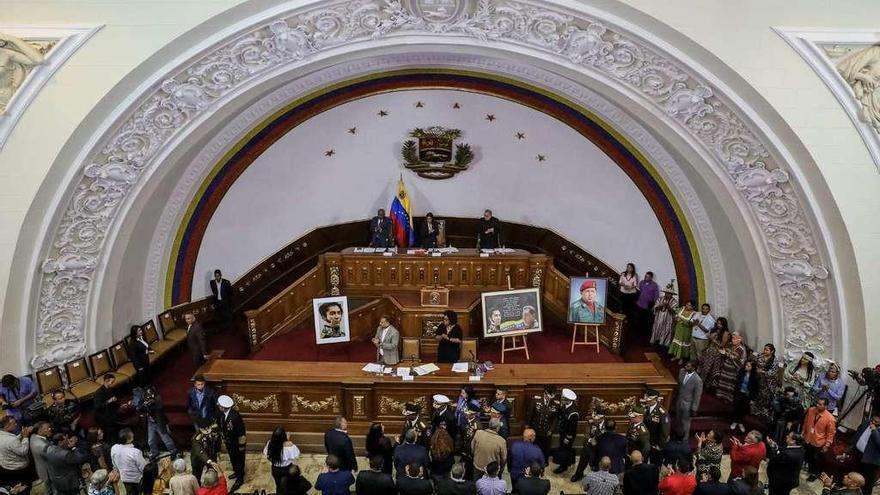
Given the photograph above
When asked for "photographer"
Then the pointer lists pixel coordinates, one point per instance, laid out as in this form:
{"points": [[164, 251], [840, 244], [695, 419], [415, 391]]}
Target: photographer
{"points": [[63, 414], [869, 378], [149, 406], [16, 394], [788, 412]]}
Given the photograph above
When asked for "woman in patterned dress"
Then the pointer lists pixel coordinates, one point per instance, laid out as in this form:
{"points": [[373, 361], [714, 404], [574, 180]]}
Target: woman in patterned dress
{"points": [[710, 363], [801, 375], [709, 451], [767, 368], [681, 339], [732, 360], [664, 316]]}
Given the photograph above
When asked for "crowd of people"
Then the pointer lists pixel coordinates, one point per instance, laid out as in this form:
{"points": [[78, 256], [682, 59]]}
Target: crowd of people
{"points": [[462, 445]]}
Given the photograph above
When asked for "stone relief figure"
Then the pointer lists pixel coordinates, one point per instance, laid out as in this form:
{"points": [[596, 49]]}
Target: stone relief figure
{"points": [[861, 70], [17, 58]]}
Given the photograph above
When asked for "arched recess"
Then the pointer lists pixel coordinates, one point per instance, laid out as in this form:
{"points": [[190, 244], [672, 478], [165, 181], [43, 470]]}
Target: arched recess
{"points": [[769, 198]]}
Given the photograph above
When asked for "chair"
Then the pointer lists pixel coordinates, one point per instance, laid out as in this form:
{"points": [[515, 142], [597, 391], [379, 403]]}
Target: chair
{"points": [[119, 353], [171, 330], [410, 348], [468, 346], [102, 364], [82, 383], [49, 380], [151, 335]]}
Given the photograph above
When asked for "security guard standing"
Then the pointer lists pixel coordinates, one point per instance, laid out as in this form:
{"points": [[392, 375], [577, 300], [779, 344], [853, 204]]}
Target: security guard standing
{"points": [[544, 410], [412, 421], [657, 422], [567, 428], [638, 437], [234, 436]]}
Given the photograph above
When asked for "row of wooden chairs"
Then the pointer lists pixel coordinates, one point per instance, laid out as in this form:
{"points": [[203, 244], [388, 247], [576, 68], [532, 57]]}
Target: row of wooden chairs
{"points": [[412, 347], [81, 378]]}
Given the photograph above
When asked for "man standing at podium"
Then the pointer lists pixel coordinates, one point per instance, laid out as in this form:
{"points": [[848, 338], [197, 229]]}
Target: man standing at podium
{"points": [[380, 231], [386, 341], [489, 231]]}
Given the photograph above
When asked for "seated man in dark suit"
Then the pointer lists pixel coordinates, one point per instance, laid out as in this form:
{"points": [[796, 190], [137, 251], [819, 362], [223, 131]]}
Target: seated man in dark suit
{"points": [[640, 478], [201, 401], [338, 443], [455, 484], [374, 481], [710, 483], [612, 444], [409, 452], [415, 482], [533, 483]]}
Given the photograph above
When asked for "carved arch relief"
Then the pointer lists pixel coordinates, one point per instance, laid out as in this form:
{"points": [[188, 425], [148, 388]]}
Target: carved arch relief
{"points": [[699, 110], [29, 57]]}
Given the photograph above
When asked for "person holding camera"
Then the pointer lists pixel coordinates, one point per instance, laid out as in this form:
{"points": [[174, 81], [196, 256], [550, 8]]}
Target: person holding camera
{"points": [[149, 405], [16, 395], [788, 412], [63, 414]]}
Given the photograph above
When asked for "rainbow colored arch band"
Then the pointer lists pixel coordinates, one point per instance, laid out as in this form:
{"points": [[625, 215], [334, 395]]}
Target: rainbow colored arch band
{"points": [[179, 278]]}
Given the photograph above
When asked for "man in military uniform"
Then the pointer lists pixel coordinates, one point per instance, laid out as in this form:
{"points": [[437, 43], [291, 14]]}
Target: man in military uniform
{"points": [[234, 436], [466, 437], [443, 416], [638, 437], [587, 309], [567, 428], [412, 421], [544, 411], [205, 445], [595, 427], [657, 422]]}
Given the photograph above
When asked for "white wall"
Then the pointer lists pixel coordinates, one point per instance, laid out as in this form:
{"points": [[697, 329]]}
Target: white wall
{"points": [[292, 187]]}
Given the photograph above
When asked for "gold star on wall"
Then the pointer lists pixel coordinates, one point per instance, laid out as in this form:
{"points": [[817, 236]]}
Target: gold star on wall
{"points": [[330, 152], [490, 117], [382, 113], [352, 130], [520, 135], [419, 104], [456, 105], [541, 158]]}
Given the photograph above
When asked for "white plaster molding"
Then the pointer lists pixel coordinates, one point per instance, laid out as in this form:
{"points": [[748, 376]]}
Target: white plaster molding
{"points": [[68, 39], [196, 171], [596, 45], [811, 44]]}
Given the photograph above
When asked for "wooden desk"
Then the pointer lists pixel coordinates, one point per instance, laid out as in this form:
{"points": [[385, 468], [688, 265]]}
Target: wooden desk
{"points": [[306, 396]]}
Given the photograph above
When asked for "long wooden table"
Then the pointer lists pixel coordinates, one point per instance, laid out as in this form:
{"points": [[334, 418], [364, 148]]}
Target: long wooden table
{"points": [[307, 396]]}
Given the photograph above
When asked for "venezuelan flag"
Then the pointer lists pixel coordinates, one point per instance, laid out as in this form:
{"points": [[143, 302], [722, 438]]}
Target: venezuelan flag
{"points": [[401, 216]]}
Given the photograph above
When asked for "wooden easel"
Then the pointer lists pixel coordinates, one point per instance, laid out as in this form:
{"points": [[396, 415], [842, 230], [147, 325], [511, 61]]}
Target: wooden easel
{"points": [[586, 336], [509, 343]]}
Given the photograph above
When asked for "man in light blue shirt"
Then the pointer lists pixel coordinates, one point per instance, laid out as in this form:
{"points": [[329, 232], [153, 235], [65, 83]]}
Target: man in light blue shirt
{"points": [[490, 483]]}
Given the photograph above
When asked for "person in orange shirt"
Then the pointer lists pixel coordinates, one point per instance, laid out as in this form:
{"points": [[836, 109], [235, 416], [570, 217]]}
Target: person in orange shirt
{"points": [[819, 429], [681, 481]]}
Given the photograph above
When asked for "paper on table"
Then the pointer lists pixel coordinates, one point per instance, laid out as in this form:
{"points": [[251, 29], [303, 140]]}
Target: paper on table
{"points": [[388, 370], [402, 371], [372, 368], [460, 368], [426, 368]]}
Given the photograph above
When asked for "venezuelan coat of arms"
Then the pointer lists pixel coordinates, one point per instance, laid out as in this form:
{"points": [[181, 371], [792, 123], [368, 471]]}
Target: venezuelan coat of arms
{"points": [[433, 153]]}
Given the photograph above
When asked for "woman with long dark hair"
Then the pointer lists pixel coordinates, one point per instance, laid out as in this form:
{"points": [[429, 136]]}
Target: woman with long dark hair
{"points": [[428, 232], [712, 358], [140, 355], [281, 453], [449, 337], [745, 391], [442, 453], [767, 367], [151, 483], [709, 451], [378, 444], [801, 375], [629, 290]]}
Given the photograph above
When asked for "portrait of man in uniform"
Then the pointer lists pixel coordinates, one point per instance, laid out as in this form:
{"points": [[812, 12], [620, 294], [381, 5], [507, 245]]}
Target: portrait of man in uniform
{"points": [[587, 296], [331, 320]]}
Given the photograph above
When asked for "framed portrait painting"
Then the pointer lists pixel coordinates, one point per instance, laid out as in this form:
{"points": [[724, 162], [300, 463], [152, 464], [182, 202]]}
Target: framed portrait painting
{"points": [[586, 300], [331, 320], [511, 312]]}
